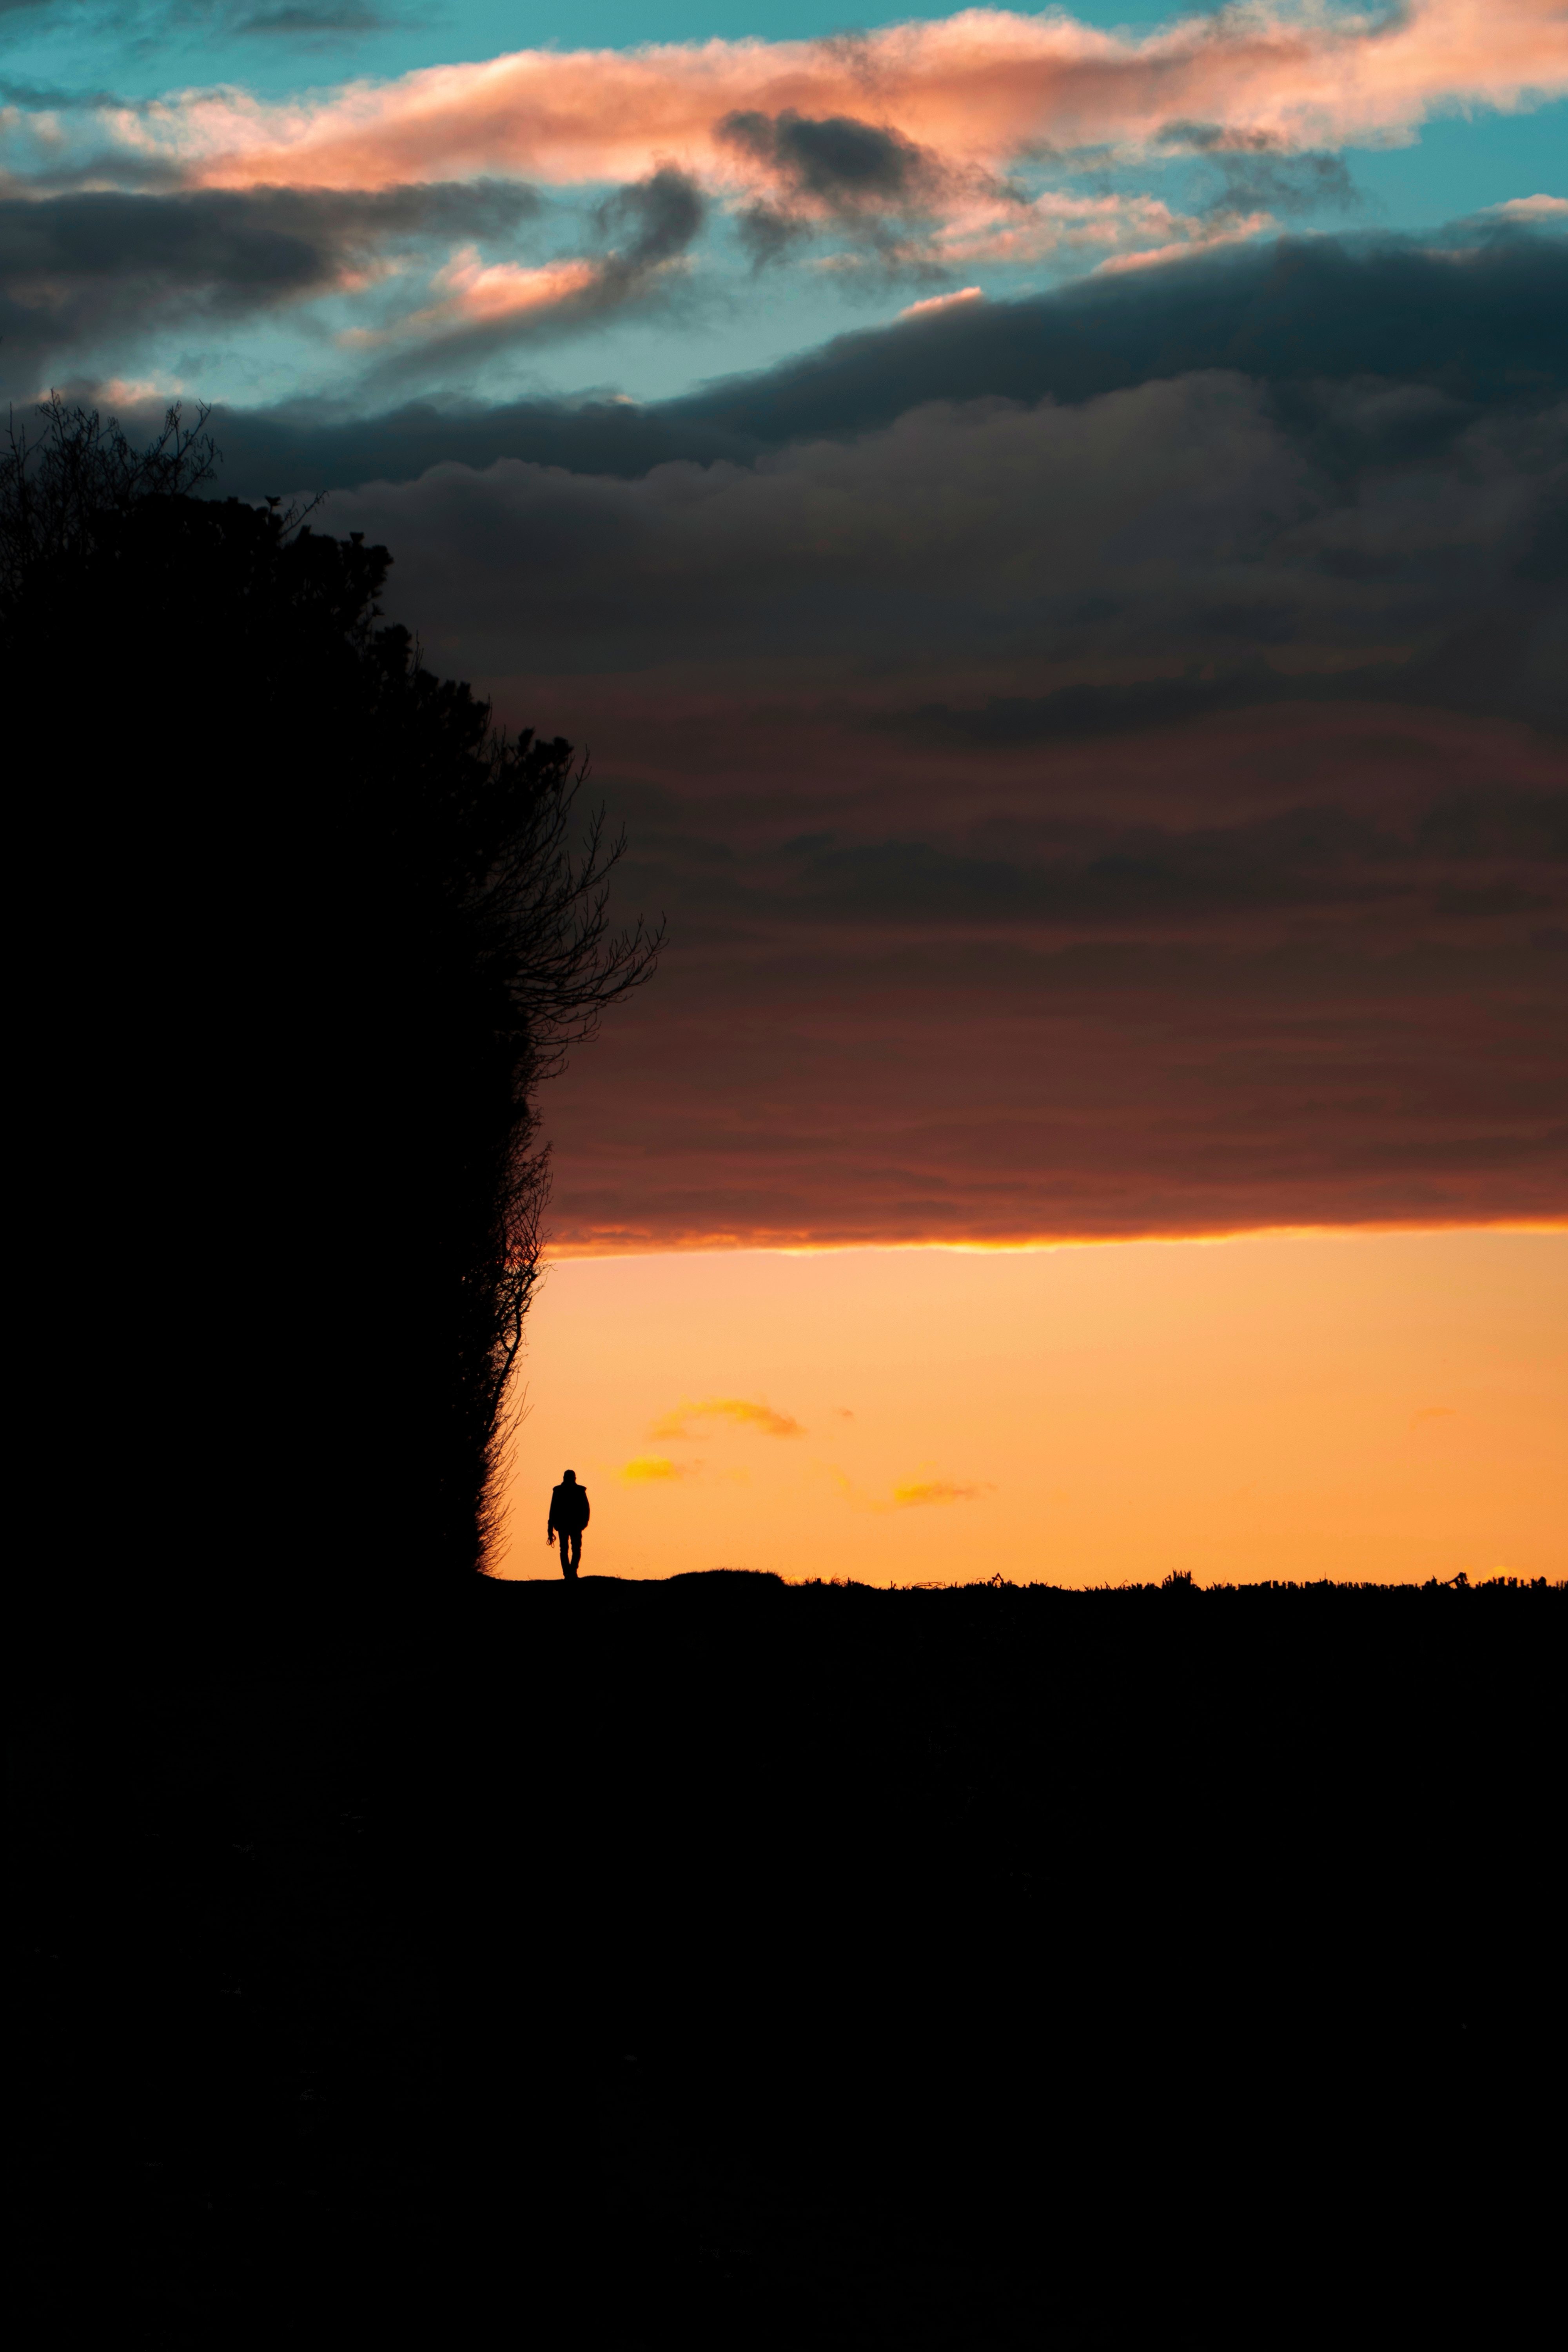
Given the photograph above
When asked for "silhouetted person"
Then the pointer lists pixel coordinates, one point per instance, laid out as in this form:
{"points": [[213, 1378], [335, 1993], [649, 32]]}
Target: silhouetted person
{"points": [[568, 1517]]}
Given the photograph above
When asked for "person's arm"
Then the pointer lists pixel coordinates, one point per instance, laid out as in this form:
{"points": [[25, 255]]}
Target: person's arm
{"points": [[585, 1506]]}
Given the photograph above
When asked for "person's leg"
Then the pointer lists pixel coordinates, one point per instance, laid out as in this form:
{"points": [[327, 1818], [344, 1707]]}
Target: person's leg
{"points": [[570, 1541]]}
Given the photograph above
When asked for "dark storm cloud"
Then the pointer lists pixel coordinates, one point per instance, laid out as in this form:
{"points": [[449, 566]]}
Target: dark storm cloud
{"points": [[1488, 313], [1485, 320], [76, 269], [840, 163], [271, 239], [655, 219], [861, 177], [1258, 173]]}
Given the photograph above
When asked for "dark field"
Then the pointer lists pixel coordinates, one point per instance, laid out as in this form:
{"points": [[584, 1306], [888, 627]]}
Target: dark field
{"points": [[722, 1963]]}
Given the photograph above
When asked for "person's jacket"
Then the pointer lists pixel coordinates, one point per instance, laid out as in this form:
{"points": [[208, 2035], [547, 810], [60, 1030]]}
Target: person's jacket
{"points": [[568, 1510]]}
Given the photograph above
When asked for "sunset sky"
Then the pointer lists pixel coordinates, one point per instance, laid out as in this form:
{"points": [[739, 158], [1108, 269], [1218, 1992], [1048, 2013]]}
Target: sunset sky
{"points": [[1051, 528], [1388, 1407]]}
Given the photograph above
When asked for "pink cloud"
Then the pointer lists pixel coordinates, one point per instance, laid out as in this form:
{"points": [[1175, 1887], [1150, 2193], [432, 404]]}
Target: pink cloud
{"points": [[981, 88], [475, 294], [942, 301], [1194, 236]]}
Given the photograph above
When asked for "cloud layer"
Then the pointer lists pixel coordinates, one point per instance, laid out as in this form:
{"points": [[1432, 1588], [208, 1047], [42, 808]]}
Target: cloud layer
{"points": [[84, 269], [1139, 810], [739, 1413], [982, 88], [1102, 753], [929, 150], [1294, 322]]}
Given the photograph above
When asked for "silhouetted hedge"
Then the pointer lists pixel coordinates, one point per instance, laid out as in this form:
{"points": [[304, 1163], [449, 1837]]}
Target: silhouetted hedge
{"points": [[305, 934]]}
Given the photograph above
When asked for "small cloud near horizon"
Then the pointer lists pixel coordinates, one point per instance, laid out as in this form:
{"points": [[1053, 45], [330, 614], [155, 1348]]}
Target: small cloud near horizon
{"points": [[655, 1470], [909, 1493], [1432, 1413], [746, 1413]]}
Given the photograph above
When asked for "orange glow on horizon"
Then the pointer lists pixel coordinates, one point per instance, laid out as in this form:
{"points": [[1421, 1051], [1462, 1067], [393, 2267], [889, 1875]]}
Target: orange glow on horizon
{"points": [[1380, 1405]]}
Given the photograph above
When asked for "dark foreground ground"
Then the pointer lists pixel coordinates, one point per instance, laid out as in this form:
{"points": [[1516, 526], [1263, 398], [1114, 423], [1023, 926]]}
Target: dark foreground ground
{"points": [[720, 1963]]}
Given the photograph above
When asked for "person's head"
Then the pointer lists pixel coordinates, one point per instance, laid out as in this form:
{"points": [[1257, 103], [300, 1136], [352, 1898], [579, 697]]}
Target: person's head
{"points": [[568, 1477]]}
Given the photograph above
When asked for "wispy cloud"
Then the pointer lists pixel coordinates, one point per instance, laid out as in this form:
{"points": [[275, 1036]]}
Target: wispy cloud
{"points": [[743, 1412], [911, 1491], [1431, 1412], [1068, 221], [473, 294], [479, 301]]}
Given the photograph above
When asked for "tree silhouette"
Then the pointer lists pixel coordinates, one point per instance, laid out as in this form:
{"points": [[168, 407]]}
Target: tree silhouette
{"points": [[309, 934], [59, 488]]}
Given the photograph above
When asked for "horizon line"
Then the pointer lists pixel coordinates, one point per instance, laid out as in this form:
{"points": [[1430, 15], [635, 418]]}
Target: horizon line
{"points": [[731, 1246]]}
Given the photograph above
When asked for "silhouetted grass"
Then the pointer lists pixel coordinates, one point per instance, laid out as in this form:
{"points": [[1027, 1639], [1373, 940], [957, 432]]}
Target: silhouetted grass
{"points": [[1180, 1581]]}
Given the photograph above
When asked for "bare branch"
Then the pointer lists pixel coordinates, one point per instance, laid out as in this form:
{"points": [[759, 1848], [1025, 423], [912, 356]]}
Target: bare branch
{"points": [[56, 488]]}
